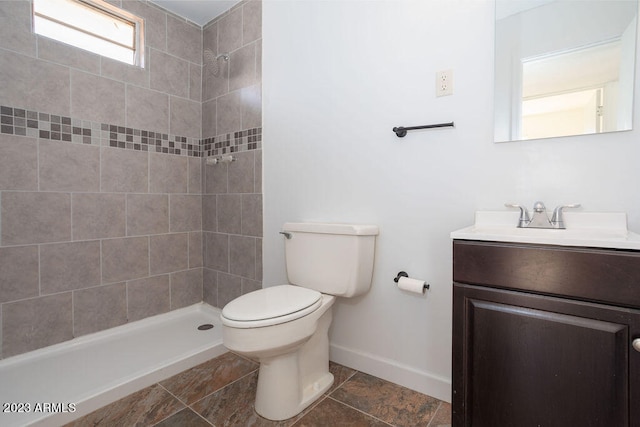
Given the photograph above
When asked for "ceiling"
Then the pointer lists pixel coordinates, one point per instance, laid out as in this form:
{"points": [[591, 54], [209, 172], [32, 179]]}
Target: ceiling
{"points": [[198, 11]]}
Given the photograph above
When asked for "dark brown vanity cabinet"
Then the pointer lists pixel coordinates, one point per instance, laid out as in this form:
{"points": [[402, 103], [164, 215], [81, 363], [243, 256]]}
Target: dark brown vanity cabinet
{"points": [[543, 336]]}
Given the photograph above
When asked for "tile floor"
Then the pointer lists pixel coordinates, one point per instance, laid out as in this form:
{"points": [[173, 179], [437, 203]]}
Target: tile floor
{"points": [[221, 392]]}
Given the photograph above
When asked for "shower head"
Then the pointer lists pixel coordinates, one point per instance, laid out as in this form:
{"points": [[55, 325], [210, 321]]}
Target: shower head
{"points": [[212, 61]]}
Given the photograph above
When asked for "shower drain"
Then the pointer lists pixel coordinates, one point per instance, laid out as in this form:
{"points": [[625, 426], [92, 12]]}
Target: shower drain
{"points": [[205, 327]]}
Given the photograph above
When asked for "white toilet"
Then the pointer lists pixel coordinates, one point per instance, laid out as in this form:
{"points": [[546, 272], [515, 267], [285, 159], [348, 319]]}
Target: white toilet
{"points": [[286, 327]]}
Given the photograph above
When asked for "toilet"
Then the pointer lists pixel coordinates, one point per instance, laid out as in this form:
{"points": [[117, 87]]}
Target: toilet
{"points": [[285, 327]]}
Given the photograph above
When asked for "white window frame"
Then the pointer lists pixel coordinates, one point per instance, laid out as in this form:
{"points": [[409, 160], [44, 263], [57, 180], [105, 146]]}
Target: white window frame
{"points": [[113, 12]]}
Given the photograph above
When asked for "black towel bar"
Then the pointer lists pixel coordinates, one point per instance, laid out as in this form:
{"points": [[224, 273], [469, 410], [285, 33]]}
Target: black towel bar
{"points": [[402, 131]]}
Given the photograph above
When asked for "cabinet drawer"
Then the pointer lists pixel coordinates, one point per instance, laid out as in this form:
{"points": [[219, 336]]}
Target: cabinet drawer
{"points": [[600, 275]]}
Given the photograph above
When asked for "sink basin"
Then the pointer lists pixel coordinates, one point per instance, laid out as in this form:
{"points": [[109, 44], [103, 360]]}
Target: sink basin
{"points": [[587, 229]]}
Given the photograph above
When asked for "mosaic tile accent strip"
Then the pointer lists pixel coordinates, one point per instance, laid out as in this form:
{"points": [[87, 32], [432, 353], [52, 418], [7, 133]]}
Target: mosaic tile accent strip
{"points": [[250, 139], [34, 124]]}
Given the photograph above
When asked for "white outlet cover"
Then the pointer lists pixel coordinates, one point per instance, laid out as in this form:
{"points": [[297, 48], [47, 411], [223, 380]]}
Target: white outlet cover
{"points": [[444, 83]]}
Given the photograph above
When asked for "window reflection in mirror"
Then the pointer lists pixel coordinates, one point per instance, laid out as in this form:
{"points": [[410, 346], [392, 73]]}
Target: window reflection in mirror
{"points": [[563, 67]]}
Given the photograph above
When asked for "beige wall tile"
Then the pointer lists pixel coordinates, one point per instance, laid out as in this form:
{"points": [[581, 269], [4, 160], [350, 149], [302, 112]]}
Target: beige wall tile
{"points": [[242, 67], [251, 21], [169, 253], [35, 217], [97, 215], [147, 109], [186, 212], [252, 215], [216, 251], [167, 174], [69, 167], [99, 308], [68, 266], [195, 82], [242, 256], [124, 259], [242, 173], [15, 27], [148, 297], [19, 276], [169, 74], [209, 125], [195, 175], [184, 39], [64, 54], [36, 85], [229, 113], [147, 214], [230, 31], [209, 213], [229, 288], [155, 22], [18, 163], [210, 287], [195, 249], [124, 171], [118, 70], [96, 98], [228, 211], [35, 323], [186, 117], [186, 288], [251, 99]]}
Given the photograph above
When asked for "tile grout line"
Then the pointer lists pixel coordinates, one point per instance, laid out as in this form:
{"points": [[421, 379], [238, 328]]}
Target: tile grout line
{"points": [[435, 414], [360, 410], [219, 389]]}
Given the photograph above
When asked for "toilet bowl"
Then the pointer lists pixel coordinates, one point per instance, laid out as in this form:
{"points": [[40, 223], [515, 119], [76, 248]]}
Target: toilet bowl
{"points": [[286, 327], [291, 347]]}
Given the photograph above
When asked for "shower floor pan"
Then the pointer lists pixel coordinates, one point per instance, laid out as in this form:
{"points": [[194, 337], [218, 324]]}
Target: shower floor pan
{"points": [[60, 383]]}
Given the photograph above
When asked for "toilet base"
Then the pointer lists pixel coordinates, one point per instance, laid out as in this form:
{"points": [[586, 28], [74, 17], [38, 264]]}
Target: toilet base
{"points": [[278, 394], [290, 382]]}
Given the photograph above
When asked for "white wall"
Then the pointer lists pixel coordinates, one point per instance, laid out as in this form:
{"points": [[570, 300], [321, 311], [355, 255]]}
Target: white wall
{"points": [[338, 76]]}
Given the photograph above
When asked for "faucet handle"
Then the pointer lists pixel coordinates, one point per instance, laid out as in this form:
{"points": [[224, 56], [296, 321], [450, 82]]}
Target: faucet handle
{"points": [[557, 220], [524, 214]]}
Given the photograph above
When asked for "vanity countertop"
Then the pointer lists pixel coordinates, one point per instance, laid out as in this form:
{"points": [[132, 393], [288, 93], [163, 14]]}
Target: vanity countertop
{"points": [[585, 229]]}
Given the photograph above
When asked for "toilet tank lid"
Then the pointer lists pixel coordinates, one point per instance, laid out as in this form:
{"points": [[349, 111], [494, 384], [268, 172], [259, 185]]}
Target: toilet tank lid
{"points": [[330, 228]]}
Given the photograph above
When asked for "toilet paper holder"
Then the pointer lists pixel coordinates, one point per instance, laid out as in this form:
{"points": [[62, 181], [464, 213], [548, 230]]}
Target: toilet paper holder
{"points": [[404, 274]]}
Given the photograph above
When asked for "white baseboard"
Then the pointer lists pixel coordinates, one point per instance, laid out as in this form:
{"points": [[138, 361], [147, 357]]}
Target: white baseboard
{"points": [[390, 370]]}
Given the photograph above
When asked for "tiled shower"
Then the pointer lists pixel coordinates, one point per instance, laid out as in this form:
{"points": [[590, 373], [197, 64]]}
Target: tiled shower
{"points": [[108, 213]]}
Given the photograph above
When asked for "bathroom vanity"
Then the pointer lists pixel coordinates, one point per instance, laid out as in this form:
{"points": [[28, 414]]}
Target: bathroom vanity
{"points": [[546, 332]]}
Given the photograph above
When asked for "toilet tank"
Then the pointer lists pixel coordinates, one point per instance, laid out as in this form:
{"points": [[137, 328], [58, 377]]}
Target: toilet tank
{"points": [[335, 259]]}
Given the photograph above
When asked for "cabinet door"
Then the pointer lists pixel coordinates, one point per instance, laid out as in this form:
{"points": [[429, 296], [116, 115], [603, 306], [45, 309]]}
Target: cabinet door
{"points": [[528, 360]]}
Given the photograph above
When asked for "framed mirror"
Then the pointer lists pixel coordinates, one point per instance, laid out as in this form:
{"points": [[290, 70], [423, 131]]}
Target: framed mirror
{"points": [[563, 67]]}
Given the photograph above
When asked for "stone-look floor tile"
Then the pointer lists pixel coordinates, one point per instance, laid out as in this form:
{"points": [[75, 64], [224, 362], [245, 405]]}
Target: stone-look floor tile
{"points": [[234, 406], [206, 378], [340, 375], [143, 408], [442, 417], [332, 413], [389, 402], [184, 418]]}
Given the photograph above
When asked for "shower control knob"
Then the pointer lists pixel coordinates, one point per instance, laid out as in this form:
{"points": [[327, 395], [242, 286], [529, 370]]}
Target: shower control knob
{"points": [[636, 344]]}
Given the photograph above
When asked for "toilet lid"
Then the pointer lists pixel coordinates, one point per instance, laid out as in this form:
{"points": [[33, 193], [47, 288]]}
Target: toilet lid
{"points": [[270, 306]]}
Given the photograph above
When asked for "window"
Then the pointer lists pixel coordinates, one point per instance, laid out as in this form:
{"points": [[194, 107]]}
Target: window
{"points": [[93, 25]]}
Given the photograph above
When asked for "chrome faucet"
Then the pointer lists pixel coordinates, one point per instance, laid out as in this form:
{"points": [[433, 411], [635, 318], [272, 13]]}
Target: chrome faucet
{"points": [[540, 218]]}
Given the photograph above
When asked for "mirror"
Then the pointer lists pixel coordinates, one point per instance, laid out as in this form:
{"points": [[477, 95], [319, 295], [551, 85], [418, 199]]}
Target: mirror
{"points": [[563, 67]]}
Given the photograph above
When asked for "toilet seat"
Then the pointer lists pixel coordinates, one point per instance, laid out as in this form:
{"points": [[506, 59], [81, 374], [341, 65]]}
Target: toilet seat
{"points": [[270, 306]]}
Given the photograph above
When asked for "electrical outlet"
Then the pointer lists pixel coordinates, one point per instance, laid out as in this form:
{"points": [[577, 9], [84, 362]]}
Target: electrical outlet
{"points": [[444, 83]]}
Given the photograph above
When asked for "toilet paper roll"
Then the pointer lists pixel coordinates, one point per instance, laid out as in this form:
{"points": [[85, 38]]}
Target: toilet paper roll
{"points": [[411, 285]]}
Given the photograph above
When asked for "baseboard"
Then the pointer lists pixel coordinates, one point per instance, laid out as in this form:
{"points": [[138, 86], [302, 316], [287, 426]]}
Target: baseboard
{"points": [[390, 370]]}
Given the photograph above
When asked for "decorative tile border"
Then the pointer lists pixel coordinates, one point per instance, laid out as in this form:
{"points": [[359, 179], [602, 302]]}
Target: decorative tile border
{"points": [[246, 140], [34, 124]]}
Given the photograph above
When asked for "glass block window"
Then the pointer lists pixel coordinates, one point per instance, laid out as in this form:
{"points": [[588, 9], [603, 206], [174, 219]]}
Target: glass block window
{"points": [[93, 25]]}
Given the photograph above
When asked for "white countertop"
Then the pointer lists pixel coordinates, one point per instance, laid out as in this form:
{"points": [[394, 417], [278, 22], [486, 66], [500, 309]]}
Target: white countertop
{"points": [[586, 229]]}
